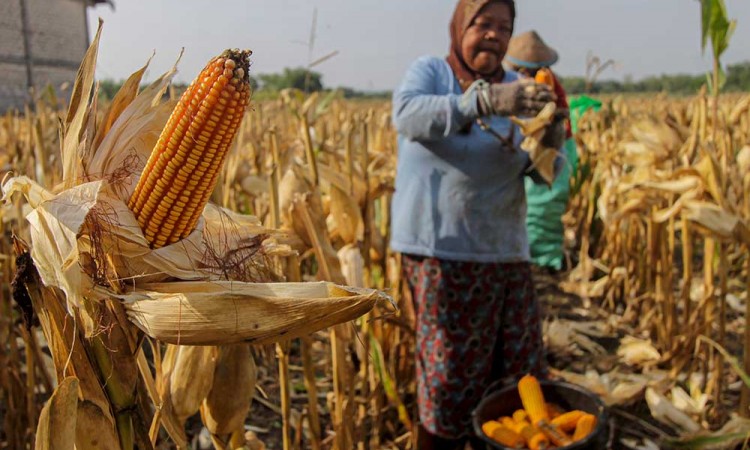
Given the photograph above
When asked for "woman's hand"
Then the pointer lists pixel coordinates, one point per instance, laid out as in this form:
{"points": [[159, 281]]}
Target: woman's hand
{"points": [[520, 98]]}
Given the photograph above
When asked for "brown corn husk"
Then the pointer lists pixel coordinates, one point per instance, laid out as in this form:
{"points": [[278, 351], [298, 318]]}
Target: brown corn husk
{"points": [[223, 312], [190, 371], [225, 408], [57, 422], [542, 158]]}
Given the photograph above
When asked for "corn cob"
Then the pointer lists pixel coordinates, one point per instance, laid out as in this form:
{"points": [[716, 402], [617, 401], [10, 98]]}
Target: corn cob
{"points": [[585, 426], [544, 76], [567, 422], [502, 435], [532, 399], [183, 168]]}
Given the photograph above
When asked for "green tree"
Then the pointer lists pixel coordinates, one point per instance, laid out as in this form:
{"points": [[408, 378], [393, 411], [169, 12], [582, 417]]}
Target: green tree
{"points": [[738, 77], [298, 78]]}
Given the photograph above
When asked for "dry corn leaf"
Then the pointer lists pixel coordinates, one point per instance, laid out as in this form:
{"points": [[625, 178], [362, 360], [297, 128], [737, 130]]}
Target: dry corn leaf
{"points": [[78, 110], [717, 220], [638, 352], [347, 218], [743, 158], [307, 210], [665, 412], [687, 404], [293, 184], [125, 95], [542, 158], [627, 392], [352, 265]]}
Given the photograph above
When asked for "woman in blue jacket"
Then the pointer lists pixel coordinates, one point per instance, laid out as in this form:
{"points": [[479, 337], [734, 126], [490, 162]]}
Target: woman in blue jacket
{"points": [[458, 218]]}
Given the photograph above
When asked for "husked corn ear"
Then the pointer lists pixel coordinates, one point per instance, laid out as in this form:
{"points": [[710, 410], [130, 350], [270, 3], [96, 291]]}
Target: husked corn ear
{"points": [[567, 422], [532, 399], [538, 442], [585, 426], [507, 422], [502, 435], [535, 439], [184, 166]]}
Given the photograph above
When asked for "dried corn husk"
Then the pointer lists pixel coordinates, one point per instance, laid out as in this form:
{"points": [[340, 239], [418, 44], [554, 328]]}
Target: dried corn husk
{"points": [[223, 312], [190, 371], [542, 158], [225, 408], [57, 422], [664, 411]]}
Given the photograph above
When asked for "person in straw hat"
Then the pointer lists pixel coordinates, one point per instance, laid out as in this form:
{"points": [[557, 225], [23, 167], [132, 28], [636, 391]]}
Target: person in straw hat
{"points": [[458, 220], [527, 54]]}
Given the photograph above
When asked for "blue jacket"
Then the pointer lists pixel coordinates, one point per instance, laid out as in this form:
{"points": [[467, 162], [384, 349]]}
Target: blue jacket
{"points": [[458, 196]]}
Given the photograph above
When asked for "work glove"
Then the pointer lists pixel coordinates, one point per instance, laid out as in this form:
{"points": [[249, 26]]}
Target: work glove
{"points": [[523, 98]]}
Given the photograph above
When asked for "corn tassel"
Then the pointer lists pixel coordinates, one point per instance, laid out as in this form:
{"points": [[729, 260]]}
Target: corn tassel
{"points": [[585, 426], [532, 399], [502, 435], [184, 166]]}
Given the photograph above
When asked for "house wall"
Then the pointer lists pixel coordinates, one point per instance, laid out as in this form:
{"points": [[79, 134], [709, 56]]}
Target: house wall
{"points": [[56, 40]]}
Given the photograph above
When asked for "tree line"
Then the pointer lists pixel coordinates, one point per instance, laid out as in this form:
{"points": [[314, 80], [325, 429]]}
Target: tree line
{"points": [[737, 80], [268, 85]]}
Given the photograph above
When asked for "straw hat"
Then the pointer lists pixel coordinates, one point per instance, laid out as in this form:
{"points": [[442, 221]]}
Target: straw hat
{"points": [[530, 51]]}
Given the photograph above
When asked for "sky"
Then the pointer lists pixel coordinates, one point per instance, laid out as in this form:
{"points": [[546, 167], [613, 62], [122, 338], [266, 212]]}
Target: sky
{"points": [[376, 40]]}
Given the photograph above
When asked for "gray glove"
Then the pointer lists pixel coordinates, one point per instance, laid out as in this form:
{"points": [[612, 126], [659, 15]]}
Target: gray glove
{"points": [[523, 98]]}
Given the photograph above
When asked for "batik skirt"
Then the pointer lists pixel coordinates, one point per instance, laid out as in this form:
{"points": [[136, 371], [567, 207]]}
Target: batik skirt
{"points": [[475, 323]]}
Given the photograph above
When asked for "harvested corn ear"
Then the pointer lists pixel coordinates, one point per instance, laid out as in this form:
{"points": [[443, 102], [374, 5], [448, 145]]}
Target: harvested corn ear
{"points": [[502, 435], [585, 426], [184, 166]]}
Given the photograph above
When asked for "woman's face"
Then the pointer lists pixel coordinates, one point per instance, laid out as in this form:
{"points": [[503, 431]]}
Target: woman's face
{"points": [[486, 40]]}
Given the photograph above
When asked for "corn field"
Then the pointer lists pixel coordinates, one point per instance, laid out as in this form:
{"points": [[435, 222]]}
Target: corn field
{"points": [[656, 229]]}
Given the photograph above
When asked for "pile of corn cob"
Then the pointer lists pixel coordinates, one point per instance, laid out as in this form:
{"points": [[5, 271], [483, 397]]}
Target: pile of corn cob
{"points": [[539, 425]]}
